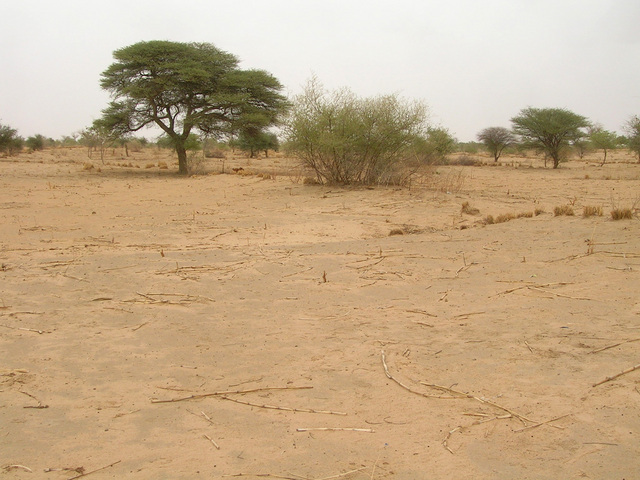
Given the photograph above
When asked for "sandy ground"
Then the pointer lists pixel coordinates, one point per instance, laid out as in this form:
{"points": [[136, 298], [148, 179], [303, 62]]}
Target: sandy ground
{"points": [[122, 287]]}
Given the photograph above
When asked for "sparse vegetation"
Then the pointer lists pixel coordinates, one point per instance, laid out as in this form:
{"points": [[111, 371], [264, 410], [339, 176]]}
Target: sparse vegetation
{"points": [[183, 87], [622, 214], [549, 130], [563, 210], [347, 140], [10, 142], [496, 139], [591, 211]]}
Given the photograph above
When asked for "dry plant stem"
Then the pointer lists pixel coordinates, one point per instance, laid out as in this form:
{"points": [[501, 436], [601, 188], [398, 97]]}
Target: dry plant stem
{"points": [[542, 423], [228, 392], [287, 409], [559, 294], [522, 418], [409, 389], [22, 467], [212, 441], [614, 345], [94, 471], [608, 379], [335, 429], [511, 290]]}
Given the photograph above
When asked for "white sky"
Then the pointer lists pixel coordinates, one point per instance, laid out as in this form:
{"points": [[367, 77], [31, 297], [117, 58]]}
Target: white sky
{"points": [[476, 63]]}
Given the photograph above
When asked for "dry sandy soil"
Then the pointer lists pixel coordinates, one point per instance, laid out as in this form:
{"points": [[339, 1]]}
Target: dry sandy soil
{"points": [[455, 350]]}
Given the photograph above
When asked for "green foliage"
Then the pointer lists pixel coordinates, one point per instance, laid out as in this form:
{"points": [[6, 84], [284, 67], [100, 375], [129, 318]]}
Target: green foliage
{"points": [[346, 139], [35, 143], [549, 130], [255, 140], [192, 143], [603, 140], [440, 142], [182, 87], [632, 128], [10, 142], [496, 139]]}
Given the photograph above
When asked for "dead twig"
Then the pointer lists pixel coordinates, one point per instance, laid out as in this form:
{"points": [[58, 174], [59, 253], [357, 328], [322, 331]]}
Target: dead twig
{"points": [[335, 429], [84, 474], [276, 407], [227, 392], [542, 423], [615, 345], [212, 441], [15, 467], [40, 405], [608, 379], [559, 294]]}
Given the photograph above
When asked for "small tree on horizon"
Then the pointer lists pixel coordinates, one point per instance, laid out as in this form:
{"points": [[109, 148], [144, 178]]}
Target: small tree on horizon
{"points": [[10, 142], [603, 140], [186, 87], [549, 130], [496, 139], [632, 128]]}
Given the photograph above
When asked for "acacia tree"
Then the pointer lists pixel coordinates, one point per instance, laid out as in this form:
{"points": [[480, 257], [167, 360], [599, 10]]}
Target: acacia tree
{"points": [[632, 128], [604, 140], [496, 139], [183, 87], [549, 130]]}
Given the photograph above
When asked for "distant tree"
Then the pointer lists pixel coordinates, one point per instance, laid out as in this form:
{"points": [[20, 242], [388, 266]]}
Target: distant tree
{"points": [[496, 139], [632, 128], [582, 146], [253, 141], [440, 141], [549, 130], [98, 137], [10, 142], [35, 142], [603, 140], [184, 87], [346, 139]]}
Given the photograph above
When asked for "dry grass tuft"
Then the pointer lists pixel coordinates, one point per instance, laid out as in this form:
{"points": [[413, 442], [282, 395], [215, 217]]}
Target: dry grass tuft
{"points": [[538, 211], [505, 217], [622, 214], [163, 165], [468, 209], [150, 165], [310, 181], [563, 210], [591, 211], [525, 215], [87, 166]]}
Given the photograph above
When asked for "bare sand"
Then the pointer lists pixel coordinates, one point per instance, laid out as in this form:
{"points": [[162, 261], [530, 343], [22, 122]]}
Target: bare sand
{"points": [[122, 286]]}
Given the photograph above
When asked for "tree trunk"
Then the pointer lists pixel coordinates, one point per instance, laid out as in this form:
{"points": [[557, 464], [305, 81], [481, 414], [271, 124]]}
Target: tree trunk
{"points": [[182, 160]]}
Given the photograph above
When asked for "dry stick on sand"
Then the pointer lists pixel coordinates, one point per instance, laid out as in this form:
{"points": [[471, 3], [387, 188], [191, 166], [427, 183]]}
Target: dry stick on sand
{"points": [[227, 392], [94, 471], [295, 477], [614, 345], [275, 407], [542, 285], [608, 379], [335, 429], [212, 441]]}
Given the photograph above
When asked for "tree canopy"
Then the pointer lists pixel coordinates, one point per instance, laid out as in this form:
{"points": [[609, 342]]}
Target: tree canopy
{"points": [[346, 139], [550, 130], [187, 87], [496, 139], [604, 140], [632, 128]]}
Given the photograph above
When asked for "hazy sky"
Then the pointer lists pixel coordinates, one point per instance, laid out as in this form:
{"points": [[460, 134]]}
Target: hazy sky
{"points": [[476, 63]]}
